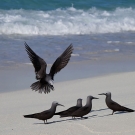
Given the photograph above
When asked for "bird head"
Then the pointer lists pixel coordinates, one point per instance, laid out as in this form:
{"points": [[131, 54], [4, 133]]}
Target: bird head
{"points": [[106, 94], [91, 97], [79, 102], [57, 104]]}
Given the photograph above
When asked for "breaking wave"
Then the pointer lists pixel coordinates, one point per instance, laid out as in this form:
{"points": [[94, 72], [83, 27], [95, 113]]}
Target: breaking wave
{"points": [[66, 21]]}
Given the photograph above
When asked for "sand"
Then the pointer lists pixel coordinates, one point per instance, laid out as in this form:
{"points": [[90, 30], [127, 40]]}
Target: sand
{"points": [[13, 105]]}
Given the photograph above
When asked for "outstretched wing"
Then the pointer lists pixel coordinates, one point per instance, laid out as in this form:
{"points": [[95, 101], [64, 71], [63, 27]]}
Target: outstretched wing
{"points": [[61, 61], [37, 62]]}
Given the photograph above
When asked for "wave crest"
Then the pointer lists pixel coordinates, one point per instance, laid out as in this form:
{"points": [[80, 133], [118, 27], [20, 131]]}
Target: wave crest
{"points": [[69, 21]]}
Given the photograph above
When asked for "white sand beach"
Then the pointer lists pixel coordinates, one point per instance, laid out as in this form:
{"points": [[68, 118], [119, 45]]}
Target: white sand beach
{"points": [[13, 105]]}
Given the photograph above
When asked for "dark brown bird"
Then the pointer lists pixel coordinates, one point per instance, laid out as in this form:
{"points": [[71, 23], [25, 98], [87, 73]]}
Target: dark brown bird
{"points": [[45, 115], [72, 109], [113, 105], [85, 109], [45, 83]]}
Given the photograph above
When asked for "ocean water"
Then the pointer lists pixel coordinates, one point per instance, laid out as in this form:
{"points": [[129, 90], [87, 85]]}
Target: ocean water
{"points": [[101, 31], [96, 28]]}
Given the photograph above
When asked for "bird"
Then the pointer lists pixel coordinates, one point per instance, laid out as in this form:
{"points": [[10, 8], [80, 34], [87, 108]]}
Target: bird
{"points": [[113, 105], [45, 115], [85, 109], [45, 81], [69, 111]]}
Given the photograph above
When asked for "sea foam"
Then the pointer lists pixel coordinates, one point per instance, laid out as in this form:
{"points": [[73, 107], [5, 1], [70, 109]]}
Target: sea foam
{"points": [[66, 21]]}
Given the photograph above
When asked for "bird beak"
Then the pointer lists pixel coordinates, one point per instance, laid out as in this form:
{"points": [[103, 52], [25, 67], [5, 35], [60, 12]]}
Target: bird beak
{"points": [[61, 105], [102, 94], [95, 98]]}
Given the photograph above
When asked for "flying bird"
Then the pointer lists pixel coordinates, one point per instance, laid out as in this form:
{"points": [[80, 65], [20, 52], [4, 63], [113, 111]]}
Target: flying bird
{"points": [[113, 105], [72, 109], [45, 81], [45, 115]]}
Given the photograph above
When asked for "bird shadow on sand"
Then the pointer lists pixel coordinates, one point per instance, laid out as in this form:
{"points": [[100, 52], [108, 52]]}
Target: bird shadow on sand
{"points": [[51, 122], [83, 118], [57, 121], [105, 115], [99, 110], [70, 119], [122, 112]]}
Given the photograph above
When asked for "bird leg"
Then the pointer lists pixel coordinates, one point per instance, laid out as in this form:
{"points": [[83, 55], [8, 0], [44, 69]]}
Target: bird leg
{"points": [[45, 121], [112, 112], [73, 117]]}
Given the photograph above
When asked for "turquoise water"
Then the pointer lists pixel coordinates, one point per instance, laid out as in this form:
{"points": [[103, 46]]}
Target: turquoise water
{"points": [[66, 17], [45, 5]]}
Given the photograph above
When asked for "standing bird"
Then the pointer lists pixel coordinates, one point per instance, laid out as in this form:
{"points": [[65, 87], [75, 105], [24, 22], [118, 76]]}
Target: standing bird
{"points": [[69, 111], [45, 83], [113, 105], [85, 109], [45, 115]]}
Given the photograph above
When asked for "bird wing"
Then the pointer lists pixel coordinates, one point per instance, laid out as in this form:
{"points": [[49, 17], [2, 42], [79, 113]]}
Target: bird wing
{"points": [[115, 106], [37, 62], [83, 109], [127, 109], [46, 112], [118, 107], [69, 111], [61, 61], [42, 115], [72, 109], [80, 110]]}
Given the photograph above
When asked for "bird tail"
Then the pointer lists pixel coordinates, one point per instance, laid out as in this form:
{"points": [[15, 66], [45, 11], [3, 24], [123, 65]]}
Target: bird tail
{"points": [[57, 113], [42, 87], [30, 116], [62, 114], [127, 109]]}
